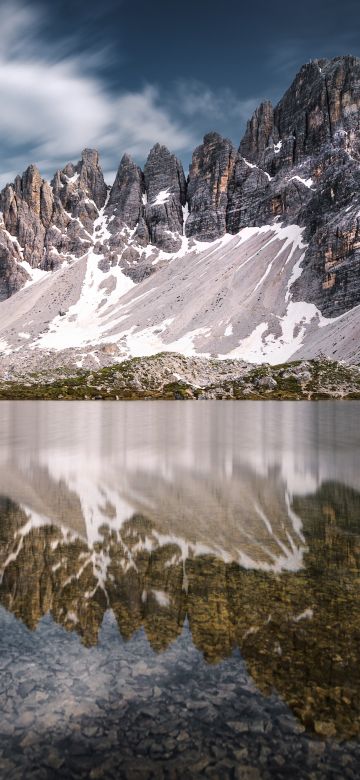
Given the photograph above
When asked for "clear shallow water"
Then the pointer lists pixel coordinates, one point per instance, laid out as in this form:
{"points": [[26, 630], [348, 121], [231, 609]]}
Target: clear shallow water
{"points": [[179, 590]]}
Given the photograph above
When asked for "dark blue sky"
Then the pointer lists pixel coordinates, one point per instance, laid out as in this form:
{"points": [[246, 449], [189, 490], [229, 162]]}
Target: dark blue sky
{"points": [[121, 74]]}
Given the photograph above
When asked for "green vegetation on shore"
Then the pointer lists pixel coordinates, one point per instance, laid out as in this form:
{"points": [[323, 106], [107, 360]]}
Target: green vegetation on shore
{"points": [[151, 378]]}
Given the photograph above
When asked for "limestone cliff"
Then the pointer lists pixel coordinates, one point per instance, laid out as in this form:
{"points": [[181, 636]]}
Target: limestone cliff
{"points": [[298, 163]]}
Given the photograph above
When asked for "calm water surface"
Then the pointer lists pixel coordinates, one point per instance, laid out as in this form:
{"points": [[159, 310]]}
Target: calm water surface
{"points": [[179, 590]]}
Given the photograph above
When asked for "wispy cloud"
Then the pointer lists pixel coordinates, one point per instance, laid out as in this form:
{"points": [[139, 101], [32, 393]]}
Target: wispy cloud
{"points": [[52, 106], [285, 60], [197, 99], [55, 101]]}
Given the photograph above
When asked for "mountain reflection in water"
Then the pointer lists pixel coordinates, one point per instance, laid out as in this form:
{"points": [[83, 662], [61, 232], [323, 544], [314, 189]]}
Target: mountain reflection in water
{"points": [[243, 520]]}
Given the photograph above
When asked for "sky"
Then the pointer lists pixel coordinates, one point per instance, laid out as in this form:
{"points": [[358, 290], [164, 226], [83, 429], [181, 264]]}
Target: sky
{"points": [[121, 75]]}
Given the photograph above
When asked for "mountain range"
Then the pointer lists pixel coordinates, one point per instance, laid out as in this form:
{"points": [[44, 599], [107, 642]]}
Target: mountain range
{"points": [[254, 255]]}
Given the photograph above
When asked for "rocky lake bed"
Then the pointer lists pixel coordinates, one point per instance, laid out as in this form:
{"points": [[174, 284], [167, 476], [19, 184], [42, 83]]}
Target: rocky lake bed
{"points": [[121, 711]]}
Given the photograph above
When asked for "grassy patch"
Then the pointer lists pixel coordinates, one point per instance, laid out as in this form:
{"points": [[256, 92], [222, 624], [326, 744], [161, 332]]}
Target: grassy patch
{"points": [[138, 378]]}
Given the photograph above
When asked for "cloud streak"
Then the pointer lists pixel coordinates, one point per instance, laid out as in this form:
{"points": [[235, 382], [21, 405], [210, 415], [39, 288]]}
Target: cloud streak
{"points": [[54, 108], [197, 99], [55, 102]]}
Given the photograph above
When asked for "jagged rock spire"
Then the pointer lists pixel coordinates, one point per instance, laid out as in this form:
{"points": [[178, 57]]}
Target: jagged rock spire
{"points": [[165, 189], [126, 195], [210, 171]]}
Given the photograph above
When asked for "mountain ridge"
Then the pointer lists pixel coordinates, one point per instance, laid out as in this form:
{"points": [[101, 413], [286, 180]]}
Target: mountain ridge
{"points": [[296, 173]]}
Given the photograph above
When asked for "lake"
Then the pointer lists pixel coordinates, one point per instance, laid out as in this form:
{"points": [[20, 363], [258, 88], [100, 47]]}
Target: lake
{"points": [[179, 590]]}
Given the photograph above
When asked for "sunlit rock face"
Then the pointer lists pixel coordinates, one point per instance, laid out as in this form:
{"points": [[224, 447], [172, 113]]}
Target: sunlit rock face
{"points": [[52, 223], [125, 203]]}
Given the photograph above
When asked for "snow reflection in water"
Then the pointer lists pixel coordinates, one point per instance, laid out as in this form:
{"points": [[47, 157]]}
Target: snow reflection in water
{"points": [[198, 532]]}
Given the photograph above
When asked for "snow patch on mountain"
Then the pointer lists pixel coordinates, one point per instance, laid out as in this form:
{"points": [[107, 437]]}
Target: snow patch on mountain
{"points": [[161, 198], [81, 323], [307, 182], [262, 345], [231, 298], [35, 273]]}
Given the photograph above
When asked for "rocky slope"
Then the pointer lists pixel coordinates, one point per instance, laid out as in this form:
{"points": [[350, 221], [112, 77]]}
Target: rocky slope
{"points": [[173, 376], [256, 254]]}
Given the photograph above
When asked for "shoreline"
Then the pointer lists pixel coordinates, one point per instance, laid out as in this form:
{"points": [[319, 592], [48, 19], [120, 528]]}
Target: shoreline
{"points": [[171, 376]]}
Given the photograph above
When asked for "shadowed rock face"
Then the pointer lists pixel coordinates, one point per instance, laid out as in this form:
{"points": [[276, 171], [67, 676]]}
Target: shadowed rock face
{"points": [[125, 202], [12, 275], [321, 107], [165, 195], [330, 275], [210, 172], [312, 134], [260, 133]]}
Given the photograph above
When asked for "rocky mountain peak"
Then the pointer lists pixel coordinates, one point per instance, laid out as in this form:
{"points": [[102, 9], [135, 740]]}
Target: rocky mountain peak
{"points": [[90, 157], [259, 132], [126, 195], [80, 189], [163, 171], [30, 188], [126, 158], [25, 188], [210, 171], [213, 137], [298, 164], [320, 107], [165, 189], [21, 204], [91, 178], [85, 179]]}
